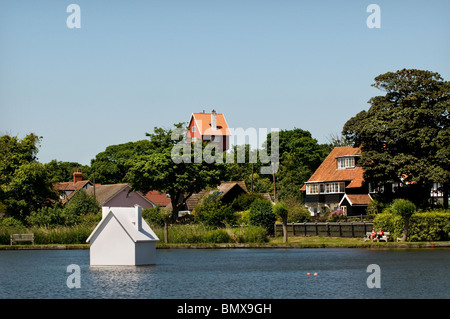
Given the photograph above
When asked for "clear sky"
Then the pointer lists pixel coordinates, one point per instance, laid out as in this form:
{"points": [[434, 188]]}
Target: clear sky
{"points": [[134, 65]]}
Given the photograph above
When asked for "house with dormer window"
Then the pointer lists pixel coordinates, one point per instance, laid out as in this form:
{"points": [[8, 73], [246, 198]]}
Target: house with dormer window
{"points": [[338, 184]]}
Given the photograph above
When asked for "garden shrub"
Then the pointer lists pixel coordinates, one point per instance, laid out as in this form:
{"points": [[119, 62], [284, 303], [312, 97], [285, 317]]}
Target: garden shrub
{"points": [[261, 214], [423, 226], [212, 212], [249, 234]]}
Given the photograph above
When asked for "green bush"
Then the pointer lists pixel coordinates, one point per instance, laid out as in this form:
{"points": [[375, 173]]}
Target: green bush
{"points": [[249, 234], [430, 226], [8, 226], [423, 226], [212, 212], [243, 201], [261, 214], [154, 216]]}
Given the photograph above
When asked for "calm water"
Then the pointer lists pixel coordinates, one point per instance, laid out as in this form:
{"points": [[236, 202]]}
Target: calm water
{"points": [[231, 273]]}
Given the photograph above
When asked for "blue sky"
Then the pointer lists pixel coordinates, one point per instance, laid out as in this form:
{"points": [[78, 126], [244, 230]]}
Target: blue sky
{"points": [[134, 65]]}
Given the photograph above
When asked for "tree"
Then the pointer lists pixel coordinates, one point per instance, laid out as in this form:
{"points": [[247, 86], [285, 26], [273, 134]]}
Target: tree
{"points": [[24, 183], [111, 165], [160, 171], [281, 210], [59, 171], [299, 156], [405, 209], [261, 214], [404, 136]]}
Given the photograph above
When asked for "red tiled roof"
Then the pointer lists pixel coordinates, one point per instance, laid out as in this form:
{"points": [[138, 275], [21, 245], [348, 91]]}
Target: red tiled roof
{"points": [[157, 198], [70, 186], [328, 172], [358, 199], [203, 122]]}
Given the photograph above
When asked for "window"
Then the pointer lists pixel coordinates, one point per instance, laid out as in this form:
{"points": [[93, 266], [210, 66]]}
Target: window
{"points": [[345, 162], [194, 129], [312, 188], [332, 188], [325, 188]]}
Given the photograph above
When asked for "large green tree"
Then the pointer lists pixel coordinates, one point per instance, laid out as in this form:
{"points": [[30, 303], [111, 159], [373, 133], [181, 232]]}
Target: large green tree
{"points": [[111, 165], [24, 183], [181, 176], [404, 136], [299, 155]]}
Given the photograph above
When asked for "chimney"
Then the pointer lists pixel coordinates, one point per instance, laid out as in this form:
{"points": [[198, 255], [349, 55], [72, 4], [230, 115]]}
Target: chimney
{"points": [[213, 120], [138, 217], [77, 176], [105, 211]]}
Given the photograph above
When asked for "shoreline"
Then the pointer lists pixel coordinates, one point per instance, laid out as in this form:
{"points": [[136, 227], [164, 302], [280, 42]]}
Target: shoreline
{"points": [[246, 246]]}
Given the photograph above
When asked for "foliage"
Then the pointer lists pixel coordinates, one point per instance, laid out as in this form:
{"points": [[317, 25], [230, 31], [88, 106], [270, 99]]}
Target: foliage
{"points": [[24, 183], [249, 234], [298, 213], [337, 216], [154, 215], [281, 210], [299, 156], [244, 200], [246, 166], [59, 171], [111, 165], [159, 171], [261, 214], [212, 212], [375, 207], [403, 207], [423, 226], [405, 134], [81, 204]]}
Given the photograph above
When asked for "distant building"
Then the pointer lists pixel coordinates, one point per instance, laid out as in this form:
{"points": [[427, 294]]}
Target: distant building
{"points": [[228, 191], [157, 198], [210, 127], [67, 189], [119, 195]]}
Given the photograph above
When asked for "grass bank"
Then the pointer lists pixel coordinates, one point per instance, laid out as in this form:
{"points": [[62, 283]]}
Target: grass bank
{"points": [[276, 242]]}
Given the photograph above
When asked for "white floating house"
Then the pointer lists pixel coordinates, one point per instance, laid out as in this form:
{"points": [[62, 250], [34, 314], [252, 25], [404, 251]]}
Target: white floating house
{"points": [[122, 238]]}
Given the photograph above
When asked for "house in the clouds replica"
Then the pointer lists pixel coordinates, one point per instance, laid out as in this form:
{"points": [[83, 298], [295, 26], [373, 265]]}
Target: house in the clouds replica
{"points": [[122, 238], [211, 127]]}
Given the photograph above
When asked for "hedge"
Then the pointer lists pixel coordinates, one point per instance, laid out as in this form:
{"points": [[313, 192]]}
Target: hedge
{"points": [[423, 226]]}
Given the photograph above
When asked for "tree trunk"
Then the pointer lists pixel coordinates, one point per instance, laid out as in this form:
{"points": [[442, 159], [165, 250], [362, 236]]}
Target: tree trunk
{"points": [[166, 229], [405, 231], [445, 188], [285, 233]]}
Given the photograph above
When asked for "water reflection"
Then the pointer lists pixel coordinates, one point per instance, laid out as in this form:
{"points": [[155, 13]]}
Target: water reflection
{"points": [[231, 273]]}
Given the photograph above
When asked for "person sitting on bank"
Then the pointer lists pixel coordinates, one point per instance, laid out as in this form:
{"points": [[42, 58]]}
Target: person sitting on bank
{"points": [[373, 234], [380, 234]]}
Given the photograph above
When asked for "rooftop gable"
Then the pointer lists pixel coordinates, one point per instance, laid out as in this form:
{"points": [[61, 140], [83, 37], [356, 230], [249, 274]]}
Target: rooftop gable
{"points": [[203, 123], [126, 217], [328, 171]]}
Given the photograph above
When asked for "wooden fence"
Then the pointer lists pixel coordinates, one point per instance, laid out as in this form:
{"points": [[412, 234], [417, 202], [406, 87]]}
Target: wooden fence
{"points": [[345, 229]]}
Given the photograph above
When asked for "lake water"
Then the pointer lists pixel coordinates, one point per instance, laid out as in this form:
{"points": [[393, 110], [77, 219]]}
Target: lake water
{"points": [[231, 273]]}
